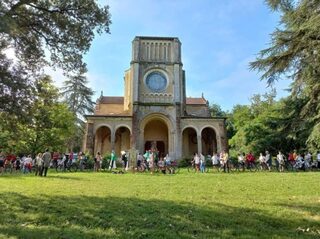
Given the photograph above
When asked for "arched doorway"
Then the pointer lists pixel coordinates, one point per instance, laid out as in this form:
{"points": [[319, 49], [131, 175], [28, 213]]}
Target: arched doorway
{"points": [[122, 139], [189, 142], [208, 141], [103, 140], [156, 136]]}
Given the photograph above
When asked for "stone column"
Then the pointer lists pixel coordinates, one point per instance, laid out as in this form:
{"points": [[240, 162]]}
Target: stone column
{"points": [[199, 144], [113, 138], [172, 144], [135, 135], [132, 141]]}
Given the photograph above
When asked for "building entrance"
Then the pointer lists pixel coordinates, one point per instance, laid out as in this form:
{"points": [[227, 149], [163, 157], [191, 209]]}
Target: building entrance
{"points": [[155, 145], [156, 136]]}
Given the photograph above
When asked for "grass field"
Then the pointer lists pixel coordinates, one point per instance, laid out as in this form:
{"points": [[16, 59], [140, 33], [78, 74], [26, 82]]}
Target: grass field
{"points": [[186, 205]]}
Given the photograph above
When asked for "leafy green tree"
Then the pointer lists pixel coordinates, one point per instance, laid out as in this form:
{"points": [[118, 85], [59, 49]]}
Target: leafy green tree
{"points": [[15, 87], [41, 33], [294, 53], [216, 111], [50, 124], [259, 126]]}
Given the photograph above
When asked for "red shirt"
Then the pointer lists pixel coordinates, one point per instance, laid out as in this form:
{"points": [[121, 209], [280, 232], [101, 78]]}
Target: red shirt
{"points": [[55, 156], [290, 157], [250, 157], [11, 157]]}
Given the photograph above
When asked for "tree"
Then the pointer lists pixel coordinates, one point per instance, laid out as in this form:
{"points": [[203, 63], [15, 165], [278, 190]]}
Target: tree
{"points": [[50, 124], [216, 111], [78, 95], [44, 32], [261, 126], [294, 53], [15, 87]]}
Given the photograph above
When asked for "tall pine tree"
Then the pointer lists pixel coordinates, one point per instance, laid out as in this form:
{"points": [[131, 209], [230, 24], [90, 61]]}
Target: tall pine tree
{"points": [[78, 97], [295, 53]]}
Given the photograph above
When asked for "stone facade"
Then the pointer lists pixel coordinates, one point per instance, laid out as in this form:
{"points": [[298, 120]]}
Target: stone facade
{"points": [[154, 111]]}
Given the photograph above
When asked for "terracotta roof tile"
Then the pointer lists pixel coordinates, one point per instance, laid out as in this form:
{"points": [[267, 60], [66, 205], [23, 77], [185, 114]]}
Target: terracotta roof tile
{"points": [[111, 100], [196, 101]]}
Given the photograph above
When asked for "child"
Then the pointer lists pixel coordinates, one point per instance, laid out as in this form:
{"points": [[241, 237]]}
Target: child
{"points": [[162, 166], [202, 163]]}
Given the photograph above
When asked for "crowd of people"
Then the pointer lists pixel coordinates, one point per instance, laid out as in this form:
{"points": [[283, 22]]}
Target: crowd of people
{"points": [[12, 163], [294, 160], [152, 160]]}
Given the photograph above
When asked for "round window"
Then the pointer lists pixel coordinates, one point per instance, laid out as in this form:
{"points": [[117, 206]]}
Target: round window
{"points": [[156, 81]]}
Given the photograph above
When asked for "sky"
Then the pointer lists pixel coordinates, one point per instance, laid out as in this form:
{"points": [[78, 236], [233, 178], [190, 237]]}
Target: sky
{"points": [[219, 39]]}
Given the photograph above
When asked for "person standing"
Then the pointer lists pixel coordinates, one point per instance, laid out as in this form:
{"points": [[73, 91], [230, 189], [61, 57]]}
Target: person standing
{"points": [[27, 164], [162, 166], [196, 160], [97, 162], [124, 159], [280, 159], [17, 164], [226, 162], [140, 160], [55, 157], [113, 160], [38, 164], [81, 160], [241, 163], [268, 160], [202, 163], [151, 162], [147, 155], [46, 157], [294, 155], [308, 160], [215, 160]]}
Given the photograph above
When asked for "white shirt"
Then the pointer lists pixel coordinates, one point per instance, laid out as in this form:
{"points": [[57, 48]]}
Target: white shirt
{"points": [[318, 157], [308, 157], [201, 157], [215, 159], [267, 157], [196, 159], [39, 161], [27, 160], [262, 159], [280, 158]]}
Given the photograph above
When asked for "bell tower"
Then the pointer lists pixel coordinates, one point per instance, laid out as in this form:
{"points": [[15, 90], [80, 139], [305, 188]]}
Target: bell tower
{"points": [[156, 81], [156, 74]]}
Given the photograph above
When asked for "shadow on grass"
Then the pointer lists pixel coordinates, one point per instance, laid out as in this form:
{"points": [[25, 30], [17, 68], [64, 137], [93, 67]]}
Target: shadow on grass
{"points": [[64, 177], [112, 217], [312, 210]]}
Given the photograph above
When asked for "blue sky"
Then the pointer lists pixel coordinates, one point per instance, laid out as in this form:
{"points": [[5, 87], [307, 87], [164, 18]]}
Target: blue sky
{"points": [[219, 39]]}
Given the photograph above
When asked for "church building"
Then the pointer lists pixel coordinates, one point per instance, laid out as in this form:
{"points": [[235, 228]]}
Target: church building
{"points": [[154, 112]]}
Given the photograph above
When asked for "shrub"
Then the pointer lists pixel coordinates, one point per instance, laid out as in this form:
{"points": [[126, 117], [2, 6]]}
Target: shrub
{"points": [[90, 163], [185, 162]]}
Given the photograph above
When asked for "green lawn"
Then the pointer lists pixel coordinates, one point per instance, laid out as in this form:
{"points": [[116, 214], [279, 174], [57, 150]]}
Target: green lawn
{"points": [[186, 205]]}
